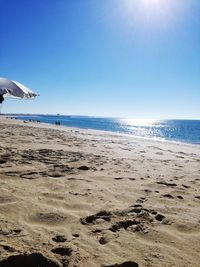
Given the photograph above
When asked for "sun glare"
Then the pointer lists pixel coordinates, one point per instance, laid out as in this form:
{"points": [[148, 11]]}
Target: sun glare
{"points": [[139, 122], [151, 2], [149, 13]]}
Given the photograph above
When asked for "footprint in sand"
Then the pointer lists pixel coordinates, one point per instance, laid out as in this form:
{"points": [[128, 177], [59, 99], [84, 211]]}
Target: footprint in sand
{"points": [[7, 199], [166, 183], [123, 225], [59, 238], [133, 219], [124, 264], [83, 168], [160, 217], [168, 196], [107, 237], [180, 197], [147, 191], [159, 153], [62, 251], [103, 215], [185, 186], [49, 218], [141, 200], [8, 248], [30, 260]]}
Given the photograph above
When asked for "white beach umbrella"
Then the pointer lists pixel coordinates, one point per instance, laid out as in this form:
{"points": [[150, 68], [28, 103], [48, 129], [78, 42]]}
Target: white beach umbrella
{"points": [[14, 89]]}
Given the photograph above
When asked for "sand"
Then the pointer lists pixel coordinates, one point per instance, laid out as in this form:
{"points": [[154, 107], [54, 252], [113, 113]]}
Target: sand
{"points": [[72, 197]]}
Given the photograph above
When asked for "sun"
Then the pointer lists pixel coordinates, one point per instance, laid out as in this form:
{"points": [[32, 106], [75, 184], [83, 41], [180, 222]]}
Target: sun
{"points": [[148, 12], [154, 6], [151, 2], [145, 3]]}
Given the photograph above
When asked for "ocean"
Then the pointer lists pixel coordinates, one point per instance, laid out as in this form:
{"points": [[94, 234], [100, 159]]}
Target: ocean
{"points": [[187, 131]]}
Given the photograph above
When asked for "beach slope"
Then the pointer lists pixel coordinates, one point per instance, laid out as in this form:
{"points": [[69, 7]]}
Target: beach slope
{"points": [[72, 197]]}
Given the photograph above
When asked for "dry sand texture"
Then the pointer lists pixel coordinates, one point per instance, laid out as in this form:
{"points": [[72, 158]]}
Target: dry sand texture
{"points": [[74, 197]]}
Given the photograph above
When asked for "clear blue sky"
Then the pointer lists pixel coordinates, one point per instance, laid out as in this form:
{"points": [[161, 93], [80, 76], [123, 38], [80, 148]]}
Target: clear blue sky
{"points": [[123, 58]]}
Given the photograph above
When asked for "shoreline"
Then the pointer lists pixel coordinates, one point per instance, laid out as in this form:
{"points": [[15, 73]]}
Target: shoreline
{"points": [[85, 198], [63, 127]]}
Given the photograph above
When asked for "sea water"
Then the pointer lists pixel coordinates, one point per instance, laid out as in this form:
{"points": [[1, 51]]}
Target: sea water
{"points": [[187, 131]]}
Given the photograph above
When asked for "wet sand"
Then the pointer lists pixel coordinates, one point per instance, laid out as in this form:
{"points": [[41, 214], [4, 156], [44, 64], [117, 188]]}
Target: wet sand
{"points": [[72, 197]]}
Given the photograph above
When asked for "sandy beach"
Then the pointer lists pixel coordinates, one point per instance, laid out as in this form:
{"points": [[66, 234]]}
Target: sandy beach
{"points": [[72, 197]]}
